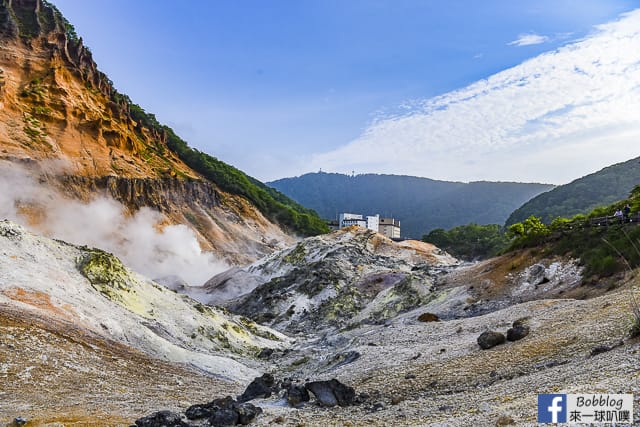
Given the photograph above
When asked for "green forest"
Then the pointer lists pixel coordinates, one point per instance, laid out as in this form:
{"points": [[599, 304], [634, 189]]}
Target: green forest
{"points": [[581, 196], [421, 204]]}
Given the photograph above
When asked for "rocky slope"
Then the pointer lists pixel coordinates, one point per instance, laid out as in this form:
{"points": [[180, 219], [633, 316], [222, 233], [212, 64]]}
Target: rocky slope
{"points": [[57, 104], [93, 291], [337, 280]]}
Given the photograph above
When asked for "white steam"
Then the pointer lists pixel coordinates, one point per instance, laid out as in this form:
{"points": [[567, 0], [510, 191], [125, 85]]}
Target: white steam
{"points": [[138, 240]]}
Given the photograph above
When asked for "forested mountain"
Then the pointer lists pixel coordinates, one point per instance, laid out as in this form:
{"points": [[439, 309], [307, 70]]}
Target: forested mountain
{"points": [[582, 195], [421, 204]]}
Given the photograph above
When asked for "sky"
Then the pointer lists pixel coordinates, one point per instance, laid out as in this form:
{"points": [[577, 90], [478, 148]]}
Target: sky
{"points": [[462, 90]]}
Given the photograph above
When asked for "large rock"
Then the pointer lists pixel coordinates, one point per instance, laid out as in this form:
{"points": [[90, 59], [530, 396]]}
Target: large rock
{"points": [[536, 274], [260, 387], [519, 329], [332, 392], [296, 395], [205, 410], [490, 339], [161, 419], [224, 412], [224, 417], [247, 412]]}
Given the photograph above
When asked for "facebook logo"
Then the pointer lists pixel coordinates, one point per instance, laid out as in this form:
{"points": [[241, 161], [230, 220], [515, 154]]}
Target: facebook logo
{"points": [[552, 408]]}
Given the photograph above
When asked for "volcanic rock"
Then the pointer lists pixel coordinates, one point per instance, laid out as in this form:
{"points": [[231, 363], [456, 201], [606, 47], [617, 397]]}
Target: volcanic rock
{"points": [[517, 332], [161, 419], [332, 392], [247, 412], [345, 278], [490, 339], [428, 317], [224, 417], [260, 387], [296, 395]]}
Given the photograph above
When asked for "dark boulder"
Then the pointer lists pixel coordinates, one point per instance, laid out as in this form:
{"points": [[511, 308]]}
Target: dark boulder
{"points": [[517, 332], [196, 412], [224, 412], [490, 339], [18, 422], [205, 410], [265, 353], [247, 412], [332, 392], [260, 387], [297, 394], [428, 317], [161, 419], [217, 413], [224, 417]]}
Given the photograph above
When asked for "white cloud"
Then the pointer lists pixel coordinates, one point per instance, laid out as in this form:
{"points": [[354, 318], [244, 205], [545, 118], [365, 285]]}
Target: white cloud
{"points": [[529, 39], [553, 118]]}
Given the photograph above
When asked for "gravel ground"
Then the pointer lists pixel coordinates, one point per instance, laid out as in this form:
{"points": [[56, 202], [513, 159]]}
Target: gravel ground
{"points": [[54, 373]]}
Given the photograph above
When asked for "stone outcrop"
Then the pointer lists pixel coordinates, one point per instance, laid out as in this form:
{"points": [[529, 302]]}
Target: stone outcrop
{"points": [[34, 22], [56, 104], [163, 194], [347, 277]]}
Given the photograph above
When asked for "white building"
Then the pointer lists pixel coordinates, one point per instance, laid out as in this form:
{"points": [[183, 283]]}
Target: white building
{"points": [[389, 227], [349, 219], [373, 222]]}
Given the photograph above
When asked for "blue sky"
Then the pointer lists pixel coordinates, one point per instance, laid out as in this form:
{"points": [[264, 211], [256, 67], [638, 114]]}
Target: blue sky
{"points": [[280, 88]]}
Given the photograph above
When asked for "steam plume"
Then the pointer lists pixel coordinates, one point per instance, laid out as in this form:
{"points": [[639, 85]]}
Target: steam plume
{"points": [[136, 239]]}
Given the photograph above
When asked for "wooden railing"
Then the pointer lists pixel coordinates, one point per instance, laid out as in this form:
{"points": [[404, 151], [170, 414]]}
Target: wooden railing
{"points": [[605, 221]]}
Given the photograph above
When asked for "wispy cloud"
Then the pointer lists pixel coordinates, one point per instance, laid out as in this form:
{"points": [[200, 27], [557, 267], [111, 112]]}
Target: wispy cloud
{"points": [[552, 118], [529, 39]]}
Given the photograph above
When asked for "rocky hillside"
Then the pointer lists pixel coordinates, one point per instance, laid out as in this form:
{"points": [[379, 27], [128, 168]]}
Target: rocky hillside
{"points": [[64, 125], [337, 280], [57, 104], [420, 204], [93, 290], [581, 196]]}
